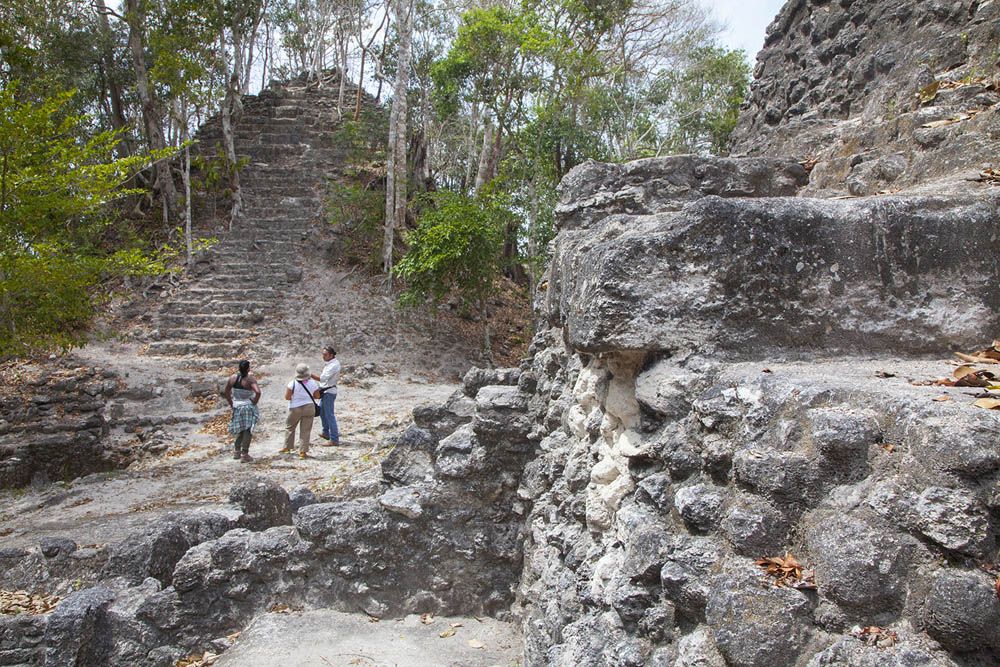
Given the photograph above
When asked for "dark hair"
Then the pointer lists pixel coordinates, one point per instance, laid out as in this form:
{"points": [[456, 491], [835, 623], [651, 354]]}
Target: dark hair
{"points": [[244, 369], [329, 348]]}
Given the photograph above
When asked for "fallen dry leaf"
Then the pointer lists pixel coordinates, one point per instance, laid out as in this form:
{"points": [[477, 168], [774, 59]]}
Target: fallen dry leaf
{"points": [[22, 602], [788, 572], [475, 643], [947, 121], [450, 632], [942, 398], [888, 447], [873, 635], [991, 176], [884, 374], [996, 587], [426, 619], [974, 358], [988, 403]]}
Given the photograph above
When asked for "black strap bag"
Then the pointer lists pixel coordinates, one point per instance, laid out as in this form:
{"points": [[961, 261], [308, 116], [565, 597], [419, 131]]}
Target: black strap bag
{"points": [[315, 404]]}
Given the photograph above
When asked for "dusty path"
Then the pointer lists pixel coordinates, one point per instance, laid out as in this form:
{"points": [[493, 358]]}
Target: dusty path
{"points": [[381, 384], [325, 638]]}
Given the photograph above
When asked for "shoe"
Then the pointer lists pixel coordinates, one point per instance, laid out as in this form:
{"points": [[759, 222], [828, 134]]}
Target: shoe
{"points": [[303, 455], [246, 458], [335, 443], [286, 450], [236, 456], [324, 436]]}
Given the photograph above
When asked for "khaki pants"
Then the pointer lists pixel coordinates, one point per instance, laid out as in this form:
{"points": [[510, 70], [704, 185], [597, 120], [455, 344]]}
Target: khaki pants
{"points": [[302, 417]]}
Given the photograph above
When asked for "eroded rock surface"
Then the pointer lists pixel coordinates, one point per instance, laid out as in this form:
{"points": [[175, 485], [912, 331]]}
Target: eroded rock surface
{"points": [[866, 90]]}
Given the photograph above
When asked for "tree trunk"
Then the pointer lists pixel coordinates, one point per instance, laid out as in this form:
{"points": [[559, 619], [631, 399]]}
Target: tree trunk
{"points": [[186, 178], [470, 147], [151, 116], [483, 175], [395, 196], [361, 85], [342, 87], [117, 115], [532, 230], [232, 109], [425, 112]]}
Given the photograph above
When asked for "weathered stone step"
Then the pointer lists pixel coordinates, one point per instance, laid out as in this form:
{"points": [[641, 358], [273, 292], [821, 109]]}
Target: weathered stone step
{"points": [[234, 292], [185, 348], [195, 307], [203, 333], [68, 423], [202, 319]]}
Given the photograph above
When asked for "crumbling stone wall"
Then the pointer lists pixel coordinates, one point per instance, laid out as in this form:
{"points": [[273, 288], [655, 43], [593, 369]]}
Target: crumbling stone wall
{"points": [[441, 534], [682, 445], [53, 423]]}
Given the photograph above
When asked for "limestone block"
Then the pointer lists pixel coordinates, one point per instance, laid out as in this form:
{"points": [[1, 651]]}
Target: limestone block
{"points": [[954, 519], [963, 611], [402, 500]]}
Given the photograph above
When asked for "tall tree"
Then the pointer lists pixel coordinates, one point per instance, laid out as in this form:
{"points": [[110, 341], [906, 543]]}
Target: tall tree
{"points": [[152, 112], [395, 191]]}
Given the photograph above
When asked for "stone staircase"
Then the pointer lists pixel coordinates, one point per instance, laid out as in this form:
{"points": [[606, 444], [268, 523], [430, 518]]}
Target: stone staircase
{"points": [[287, 134]]}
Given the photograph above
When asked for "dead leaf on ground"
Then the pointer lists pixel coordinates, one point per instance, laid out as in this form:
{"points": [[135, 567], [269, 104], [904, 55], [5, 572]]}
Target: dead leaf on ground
{"points": [[942, 398], [873, 635], [475, 643], [976, 358], [23, 602], [944, 122], [988, 403], [787, 571], [444, 634], [991, 176], [927, 94], [426, 619], [996, 587], [195, 660], [884, 374], [888, 447]]}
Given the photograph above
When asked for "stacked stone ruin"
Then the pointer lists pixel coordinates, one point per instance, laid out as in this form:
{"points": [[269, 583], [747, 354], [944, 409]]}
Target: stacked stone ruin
{"points": [[53, 425], [287, 136], [80, 420], [723, 373]]}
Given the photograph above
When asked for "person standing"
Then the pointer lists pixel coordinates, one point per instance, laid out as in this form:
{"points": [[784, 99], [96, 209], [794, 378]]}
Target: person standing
{"points": [[301, 410], [243, 394], [328, 394]]}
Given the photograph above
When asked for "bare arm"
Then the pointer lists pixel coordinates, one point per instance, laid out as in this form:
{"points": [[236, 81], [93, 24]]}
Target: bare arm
{"points": [[228, 391], [288, 393], [256, 391]]}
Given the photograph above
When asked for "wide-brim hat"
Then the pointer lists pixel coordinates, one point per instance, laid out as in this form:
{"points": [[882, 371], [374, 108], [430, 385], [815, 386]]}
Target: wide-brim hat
{"points": [[302, 372]]}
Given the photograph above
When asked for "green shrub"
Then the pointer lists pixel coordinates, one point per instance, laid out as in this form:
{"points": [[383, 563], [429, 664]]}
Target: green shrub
{"points": [[457, 246], [357, 212]]}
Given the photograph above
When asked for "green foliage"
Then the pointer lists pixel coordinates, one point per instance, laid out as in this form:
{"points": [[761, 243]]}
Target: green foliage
{"points": [[53, 45], [55, 227], [358, 212], [705, 99], [355, 205], [495, 58], [456, 247]]}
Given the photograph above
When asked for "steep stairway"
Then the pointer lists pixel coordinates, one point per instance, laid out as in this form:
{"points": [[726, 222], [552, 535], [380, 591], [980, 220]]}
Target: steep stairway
{"points": [[287, 134]]}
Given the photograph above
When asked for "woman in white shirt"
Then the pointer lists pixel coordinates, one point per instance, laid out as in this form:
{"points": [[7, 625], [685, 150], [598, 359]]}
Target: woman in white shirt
{"points": [[301, 410]]}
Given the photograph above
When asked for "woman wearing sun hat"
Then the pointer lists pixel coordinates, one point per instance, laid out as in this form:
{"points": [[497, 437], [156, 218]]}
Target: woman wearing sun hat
{"points": [[301, 410]]}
